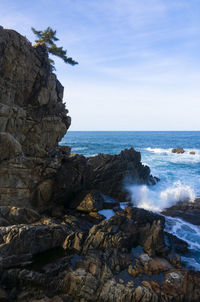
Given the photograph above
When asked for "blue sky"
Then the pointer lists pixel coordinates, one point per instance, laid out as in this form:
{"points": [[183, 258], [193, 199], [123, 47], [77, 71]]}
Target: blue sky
{"points": [[139, 61]]}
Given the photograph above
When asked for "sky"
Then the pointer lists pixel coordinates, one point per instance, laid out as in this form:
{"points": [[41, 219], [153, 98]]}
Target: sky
{"points": [[139, 60]]}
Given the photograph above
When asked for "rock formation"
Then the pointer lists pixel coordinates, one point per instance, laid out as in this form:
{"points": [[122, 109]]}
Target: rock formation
{"points": [[54, 244], [33, 119], [178, 150]]}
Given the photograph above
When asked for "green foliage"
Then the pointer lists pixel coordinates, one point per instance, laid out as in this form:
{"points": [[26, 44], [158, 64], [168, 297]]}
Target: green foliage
{"points": [[47, 38]]}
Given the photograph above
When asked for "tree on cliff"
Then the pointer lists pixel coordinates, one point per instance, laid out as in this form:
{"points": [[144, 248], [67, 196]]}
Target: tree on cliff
{"points": [[47, 38]]}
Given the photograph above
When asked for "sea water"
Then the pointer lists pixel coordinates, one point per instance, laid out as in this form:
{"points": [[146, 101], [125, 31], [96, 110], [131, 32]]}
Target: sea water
{"points": [[179, 173]]}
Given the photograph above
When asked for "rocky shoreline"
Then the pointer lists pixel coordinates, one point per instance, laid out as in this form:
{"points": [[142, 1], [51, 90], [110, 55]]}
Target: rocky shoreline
{"points": [[54, 244]]}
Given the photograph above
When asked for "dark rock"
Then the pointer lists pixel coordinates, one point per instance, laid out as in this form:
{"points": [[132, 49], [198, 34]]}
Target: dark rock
{"points": [[112, 173], [90, 202], [188, 211], [33, 119], [107, 173], [178, 150], [176, 245]]}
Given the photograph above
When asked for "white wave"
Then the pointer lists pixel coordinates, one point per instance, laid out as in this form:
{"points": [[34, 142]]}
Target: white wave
{"points": [[158, 150], [79, 148], [157, 199], [184, 230], [189, 233], [177, 158]]}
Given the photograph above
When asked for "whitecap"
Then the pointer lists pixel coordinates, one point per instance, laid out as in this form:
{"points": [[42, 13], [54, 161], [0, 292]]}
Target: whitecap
{"points": [[157, 198], [158, 150]]}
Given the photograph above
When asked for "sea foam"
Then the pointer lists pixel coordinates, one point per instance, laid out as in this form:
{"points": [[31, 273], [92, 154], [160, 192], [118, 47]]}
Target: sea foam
{"points": [[157, 198]]}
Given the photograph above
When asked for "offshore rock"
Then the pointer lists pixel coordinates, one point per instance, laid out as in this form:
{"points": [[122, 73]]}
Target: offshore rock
{"points": [[178, 150]]}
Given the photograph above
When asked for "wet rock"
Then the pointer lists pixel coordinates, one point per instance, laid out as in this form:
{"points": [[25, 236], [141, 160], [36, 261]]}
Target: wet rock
{"points": [[176, 245], [178, 150], [105, 173], [151, 230], [188, 211], [192, 152], [112, 171]]}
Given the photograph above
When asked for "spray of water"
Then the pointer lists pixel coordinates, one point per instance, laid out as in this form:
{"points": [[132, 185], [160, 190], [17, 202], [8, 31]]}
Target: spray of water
{"points": [[157, 199]]}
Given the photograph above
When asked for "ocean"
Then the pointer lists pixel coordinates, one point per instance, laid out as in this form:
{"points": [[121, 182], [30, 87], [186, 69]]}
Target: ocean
{"points": [[179, 174]]}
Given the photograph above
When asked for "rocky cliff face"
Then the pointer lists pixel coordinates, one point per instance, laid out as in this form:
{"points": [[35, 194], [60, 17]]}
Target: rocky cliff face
{"points": [[33, 118]]}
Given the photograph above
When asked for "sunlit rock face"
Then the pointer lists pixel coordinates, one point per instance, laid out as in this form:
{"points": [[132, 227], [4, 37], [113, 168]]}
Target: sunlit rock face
{"points": [[33, 119]]}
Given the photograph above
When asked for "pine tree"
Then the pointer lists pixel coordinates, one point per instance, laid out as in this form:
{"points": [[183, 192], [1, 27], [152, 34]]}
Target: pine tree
{"points": [[47, 38]]}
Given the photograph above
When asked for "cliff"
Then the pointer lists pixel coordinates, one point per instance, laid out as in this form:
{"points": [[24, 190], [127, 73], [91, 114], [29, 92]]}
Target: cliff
{"points": [[33, 118]]}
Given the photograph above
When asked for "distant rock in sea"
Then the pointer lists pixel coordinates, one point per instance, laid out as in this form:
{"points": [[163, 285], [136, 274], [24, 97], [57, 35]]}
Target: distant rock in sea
{"points": [[178, 150]]}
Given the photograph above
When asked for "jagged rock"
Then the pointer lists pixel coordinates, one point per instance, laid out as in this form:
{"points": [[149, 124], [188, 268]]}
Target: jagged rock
{"points": [[104, 172], [188, 211], [15, 215], [90, 202], [31, 97], [112, 173], [72, 179], [33, 119], [178, 150], [175, 244], [27, 240], [151, 230], [117, 232]]}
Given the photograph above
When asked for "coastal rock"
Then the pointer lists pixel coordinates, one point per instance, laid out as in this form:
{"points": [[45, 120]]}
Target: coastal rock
{"points": [[90, 202], [31, 107], [19, 242], [178, 150], [188, 211], [33, 118], [109, 174], [151, 230], [14, 215], [113, 173], [10, 147]]}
